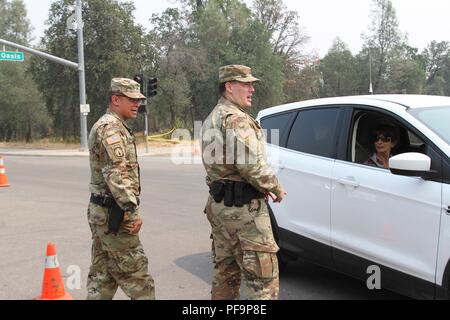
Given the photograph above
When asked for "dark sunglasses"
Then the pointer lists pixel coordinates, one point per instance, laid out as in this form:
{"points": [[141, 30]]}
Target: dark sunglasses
{"points": [[382, 138]]}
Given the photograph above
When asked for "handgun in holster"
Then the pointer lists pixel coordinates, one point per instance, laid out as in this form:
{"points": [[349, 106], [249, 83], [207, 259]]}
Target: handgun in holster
{"points": [[115, 218]]}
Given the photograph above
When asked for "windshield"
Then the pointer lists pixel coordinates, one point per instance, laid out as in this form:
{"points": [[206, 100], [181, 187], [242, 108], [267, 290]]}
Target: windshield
{"points": [[437, 119]]}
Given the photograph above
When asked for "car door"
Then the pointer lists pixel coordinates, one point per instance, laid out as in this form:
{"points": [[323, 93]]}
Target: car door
{"points": [[388, 220], [305, 167], [443, 267]]}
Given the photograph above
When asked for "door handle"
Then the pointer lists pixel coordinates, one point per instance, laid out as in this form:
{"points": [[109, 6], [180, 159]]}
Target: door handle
{"points": [[351, 182]]}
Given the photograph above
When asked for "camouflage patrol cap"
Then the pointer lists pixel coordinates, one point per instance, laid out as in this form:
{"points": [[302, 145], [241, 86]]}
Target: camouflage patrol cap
{"points": [[236, 73], [127, 87]]}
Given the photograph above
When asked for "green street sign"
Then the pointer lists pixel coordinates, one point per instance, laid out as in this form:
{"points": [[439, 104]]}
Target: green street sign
{"points": [[11, 56]]}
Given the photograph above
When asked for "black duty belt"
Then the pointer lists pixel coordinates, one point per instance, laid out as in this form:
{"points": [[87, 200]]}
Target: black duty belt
{"points": [[103, 201], [107, 201], [234, 193]]}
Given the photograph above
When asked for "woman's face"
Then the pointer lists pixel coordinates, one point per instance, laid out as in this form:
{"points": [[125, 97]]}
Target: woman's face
{"points": [[383, 143]]}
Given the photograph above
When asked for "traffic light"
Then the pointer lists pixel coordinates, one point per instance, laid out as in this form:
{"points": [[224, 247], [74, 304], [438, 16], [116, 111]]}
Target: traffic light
{"points": [[152, 86], [143, 109], [139, 78]]}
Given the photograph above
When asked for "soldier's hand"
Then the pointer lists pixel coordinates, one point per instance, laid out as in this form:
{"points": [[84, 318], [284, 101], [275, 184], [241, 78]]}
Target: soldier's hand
{"points": [[133, 227], [280, 197], [271, 195]]}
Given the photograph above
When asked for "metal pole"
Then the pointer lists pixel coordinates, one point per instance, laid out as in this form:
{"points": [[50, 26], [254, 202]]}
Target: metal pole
{"points": [[40, 54], [370, 73], [83, 118], [146, 132]]}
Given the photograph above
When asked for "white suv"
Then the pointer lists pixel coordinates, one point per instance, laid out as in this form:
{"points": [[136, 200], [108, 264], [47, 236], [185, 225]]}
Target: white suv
{"points": [[348, 216]]}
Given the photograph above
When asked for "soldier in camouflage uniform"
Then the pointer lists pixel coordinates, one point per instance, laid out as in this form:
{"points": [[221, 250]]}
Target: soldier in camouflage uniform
{"points": [[118, 259], [234, 157]]}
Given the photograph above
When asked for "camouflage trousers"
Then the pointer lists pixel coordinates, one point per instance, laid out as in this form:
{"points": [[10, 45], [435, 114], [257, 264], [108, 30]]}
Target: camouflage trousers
{"points": [[243, 248], [116, 261]]}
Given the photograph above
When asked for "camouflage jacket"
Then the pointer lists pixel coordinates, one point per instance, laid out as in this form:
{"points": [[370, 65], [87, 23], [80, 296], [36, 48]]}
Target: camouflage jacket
{"points": [[113, 161], [234, 148]]}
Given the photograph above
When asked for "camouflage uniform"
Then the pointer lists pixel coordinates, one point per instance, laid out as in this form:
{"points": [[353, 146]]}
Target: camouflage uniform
{"points": [[243, 243], [117, 260]]}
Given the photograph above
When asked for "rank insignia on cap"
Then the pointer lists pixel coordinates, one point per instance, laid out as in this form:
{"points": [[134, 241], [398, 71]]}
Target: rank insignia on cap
{"points": [[113, 139]]}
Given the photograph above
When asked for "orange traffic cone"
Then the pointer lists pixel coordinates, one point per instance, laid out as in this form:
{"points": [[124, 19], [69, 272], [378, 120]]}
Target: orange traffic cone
{"points": [[53, 286], [3, 176]]}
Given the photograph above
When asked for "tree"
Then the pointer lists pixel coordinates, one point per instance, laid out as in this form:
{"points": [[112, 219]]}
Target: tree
{"points": [[303, 83], [14, 25], [227, 33], [114, 47], [283, 26], [175, 60], [3, 17], [437, 63], [22, 113], [384, 41], [338, 70], [405, 76]]}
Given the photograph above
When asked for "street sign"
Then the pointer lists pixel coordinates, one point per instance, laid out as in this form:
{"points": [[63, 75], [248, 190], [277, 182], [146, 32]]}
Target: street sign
{"points": [[85, 109], [11, 56]]}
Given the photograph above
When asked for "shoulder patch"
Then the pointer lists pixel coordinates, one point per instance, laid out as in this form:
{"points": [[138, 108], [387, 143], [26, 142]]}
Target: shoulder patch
{"points": [[245, 132], [113, 139], [235, 121], [119, 152]]}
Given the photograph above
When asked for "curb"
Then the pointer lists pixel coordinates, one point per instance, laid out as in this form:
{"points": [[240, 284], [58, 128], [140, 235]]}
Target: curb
{"points": [[33, 153]]}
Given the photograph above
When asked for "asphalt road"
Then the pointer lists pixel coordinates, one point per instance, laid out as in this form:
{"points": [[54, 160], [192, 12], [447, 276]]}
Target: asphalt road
{"points": [[47, 201]]}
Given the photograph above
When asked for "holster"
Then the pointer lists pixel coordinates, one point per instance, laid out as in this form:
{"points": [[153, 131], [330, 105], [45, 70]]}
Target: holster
{"points": [[217, 191], [115, 219], [239, 199], [228, 199], [115, 213]]}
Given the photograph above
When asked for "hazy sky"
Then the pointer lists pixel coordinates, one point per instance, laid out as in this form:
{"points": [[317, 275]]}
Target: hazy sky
{"points": [[323, 20]]}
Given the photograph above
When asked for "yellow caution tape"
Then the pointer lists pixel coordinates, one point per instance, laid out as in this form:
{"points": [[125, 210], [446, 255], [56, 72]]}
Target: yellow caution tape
{"points": [[163, 140], [162, 135]]}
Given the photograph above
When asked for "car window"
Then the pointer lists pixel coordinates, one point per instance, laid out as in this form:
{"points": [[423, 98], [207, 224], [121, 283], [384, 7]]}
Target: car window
{"points": [[314, 132], [278, 122], [368, 131], [436, 119]]}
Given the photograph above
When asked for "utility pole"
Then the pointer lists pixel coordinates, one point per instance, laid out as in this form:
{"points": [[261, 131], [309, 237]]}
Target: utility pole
{"points": [[84, 108], [146, 132], [82, 77]]}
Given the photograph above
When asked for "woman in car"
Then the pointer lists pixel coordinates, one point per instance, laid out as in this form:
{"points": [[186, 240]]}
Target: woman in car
{"points": [[385, 139]]}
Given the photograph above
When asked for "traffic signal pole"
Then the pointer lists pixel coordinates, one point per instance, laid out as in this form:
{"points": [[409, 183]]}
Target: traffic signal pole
{"points": [[41, 54], [79, 66], [82, 77], [146, 132]]}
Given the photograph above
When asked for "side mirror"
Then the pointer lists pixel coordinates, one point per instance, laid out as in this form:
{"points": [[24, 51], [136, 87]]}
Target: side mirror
{"points": [[410, 164]]}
